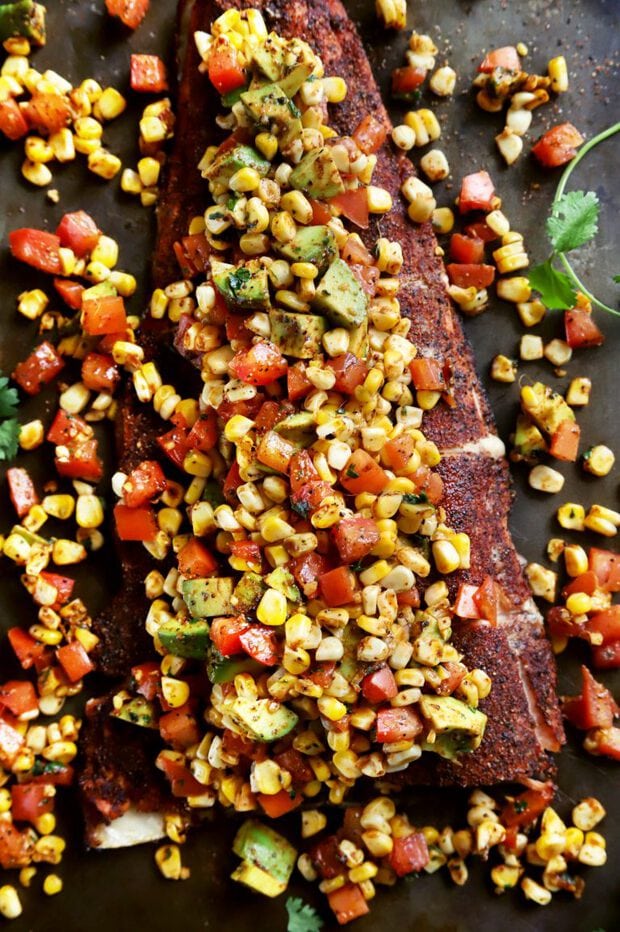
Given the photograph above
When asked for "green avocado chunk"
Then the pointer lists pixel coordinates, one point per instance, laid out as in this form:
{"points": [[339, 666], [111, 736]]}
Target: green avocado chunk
{"points": [[290, 62], [341, 297], [206, 598], [528, 442], [189, 639], [137, 711], [545, 407], [263, 719], [222, 669], [248, 592], [224, 166], [297, 335], [245, 287], [268, 859], [459, 728], [284, 581], [314, 244], [317, 175]]}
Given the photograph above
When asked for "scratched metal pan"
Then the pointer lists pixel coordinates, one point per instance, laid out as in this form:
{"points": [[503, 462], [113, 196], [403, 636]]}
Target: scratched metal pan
{"points": [[122, 891]]}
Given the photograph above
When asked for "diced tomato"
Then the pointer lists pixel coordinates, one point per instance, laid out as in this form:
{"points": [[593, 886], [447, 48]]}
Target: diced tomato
{"points": [[83, 462], [143, 484], [302, 470], [275, 451], [525, 808], [489, 599], [367, 276], [338, 587], [29, 801], [370, 134], [411, 598], [506, 58], [225, 634], [56, 774], [11, 741], [203, 435], [16, 848], [67, 428], [232, 482], [41, 367], [605, 741], [180, 728], [465, 604], [468, 250], [296, 765], [355, 253], [430, 483], [405, 81], [62, 584], [47, 113], [558, 145], [225, 71], [363, 474], [427, 374], [308, 568], [193, 253], [22, 492], [606, 566], [298, 385], [270, 414], [455, 676], [245, 555], [354, 205], [321, 213], [606, 623], [36, 248], [135, 523], [595, 707], [477, 192], [347, 903], [262, 364], [354, 537], [561, 624], [260, 643], [379, 686], [175, 445], [397, 453], [587, 583], [70, 292], [409, 854], [565, 442], [194, 560], [12, 121], [100, 373], [74, 660], [182, 781], [481, 230], [27, 649], [581, 329], [79, 232], [280, 804], [130, 12], [350, 372], [18, 696], [103, 314], [466, 276], [147, 74], [606, 656], [326, 857], [146, 679], [398, 725]]}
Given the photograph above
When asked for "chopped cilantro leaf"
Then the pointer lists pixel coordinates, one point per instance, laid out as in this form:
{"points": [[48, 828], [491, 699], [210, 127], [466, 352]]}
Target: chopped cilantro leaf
{"points": [[301, 508], [555, 288], [352, 474], [237, 279], [301, 916], [9, 398], [573, 221], [9, 434], [409, 498]]}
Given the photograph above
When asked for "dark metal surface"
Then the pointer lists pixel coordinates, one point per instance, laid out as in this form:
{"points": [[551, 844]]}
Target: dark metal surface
{"points": [[122, 890]]}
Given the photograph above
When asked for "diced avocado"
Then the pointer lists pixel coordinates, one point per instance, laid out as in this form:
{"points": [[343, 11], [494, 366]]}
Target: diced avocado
{"points": [[137, 711], [358, 340], [545, 407], [458, 727], [317, 175], [341, 297], [189, 639], [314, 244], [299, 428], [30, 537], [225, 165], [233, 97], [528, 442], [101, 290], [270, 56], [268, 858], [267, 104], [297, 335], [248, 592], [349, 665], [224, 669], [245, 287], [289, 62], [263, 719], [291, 82], [283, 580], [213, 493], [206, 598]]}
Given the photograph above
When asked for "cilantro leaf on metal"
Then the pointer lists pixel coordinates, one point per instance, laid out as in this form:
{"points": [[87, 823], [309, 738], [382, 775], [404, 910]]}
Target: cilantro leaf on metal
{"points": [[616, 279], [555, 288], [9, 398], [573, 220], [9, 433], [301, 916]]}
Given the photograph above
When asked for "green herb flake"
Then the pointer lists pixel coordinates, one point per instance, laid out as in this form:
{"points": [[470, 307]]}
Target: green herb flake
{"points": [[301, 916], [352, 474]]}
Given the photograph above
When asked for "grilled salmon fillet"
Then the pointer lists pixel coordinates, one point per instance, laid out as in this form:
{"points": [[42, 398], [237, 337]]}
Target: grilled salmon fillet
{"points": [[524, 721]]}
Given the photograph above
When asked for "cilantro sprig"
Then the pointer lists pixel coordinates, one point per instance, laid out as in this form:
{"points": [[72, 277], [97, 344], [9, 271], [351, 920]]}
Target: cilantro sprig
{"points": [[9, 425], [572, 223], [301, 916]]}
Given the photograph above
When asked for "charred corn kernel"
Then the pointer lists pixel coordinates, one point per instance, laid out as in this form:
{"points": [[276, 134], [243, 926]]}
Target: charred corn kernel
{"points": [[31, 435], [597, 520], [266, 777], [442, 219], [575, 560], [443, 81], [558, 72], [104, 164], [31, 304], [36, 173], [379, 199], [505, 877], [130, 181], [421, 199], [38, 150], [510, 257], [67, 552], [571, 516], [403, 137], [531, 312], [535, 892], [425, 125], [579, 603], [312, 822], [546, 479], [503, 369], [531, 347], [168, 860], [543, 582], [435, 165], [379, 844], [271, 609], [283, 227], [558, 352], [588, 813], [89, 511], [446, 556], [110, 104], [10, 905], [592, 854], [26, 876], [578, 393], [331, 708], [245, 179], [510, 146], [598, 460], [175, 692]]}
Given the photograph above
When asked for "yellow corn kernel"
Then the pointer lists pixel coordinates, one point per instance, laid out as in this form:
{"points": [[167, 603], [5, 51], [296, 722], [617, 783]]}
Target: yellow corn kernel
{"points": [[446, 556], [36, 173], [31, 304], [543, 582], [89, 511], [574, 840], [130, 181], [442, 219], [272, 608], [579, 603], [331, 708], [104, 164], [10, 905], [59, 506], [588, 813], [86, 146], [148, 171], [267, 144], [575, 560], [571, 516], [598, 460], [535, 892], [67, 552], [110, 104], [243, 180], [63, 145], [237, 427], [312, 822], [558, 72], [335, 89], [198, 464], [597, 521], [578, 393], [31, 435], [26, 875], [168, 860], [176, 692], [46, 823], [379, 199], [105, 252]]}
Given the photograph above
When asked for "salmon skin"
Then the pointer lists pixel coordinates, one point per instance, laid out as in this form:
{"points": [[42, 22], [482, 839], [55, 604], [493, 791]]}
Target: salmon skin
{"points": [[524, 720]]}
